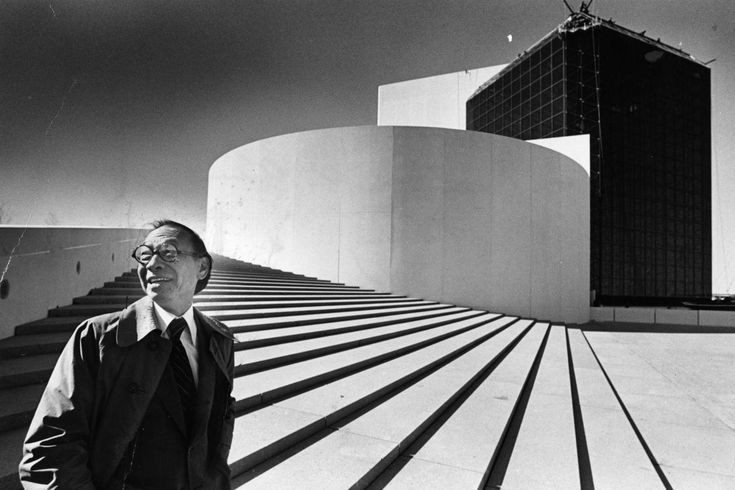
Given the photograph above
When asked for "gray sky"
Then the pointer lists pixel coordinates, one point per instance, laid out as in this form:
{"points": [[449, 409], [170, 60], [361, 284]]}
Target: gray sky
{"points": [[87, 86]]}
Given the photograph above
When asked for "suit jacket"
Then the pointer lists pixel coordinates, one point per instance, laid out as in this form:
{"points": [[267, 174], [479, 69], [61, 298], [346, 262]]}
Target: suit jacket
{"points": [[111, 377]]}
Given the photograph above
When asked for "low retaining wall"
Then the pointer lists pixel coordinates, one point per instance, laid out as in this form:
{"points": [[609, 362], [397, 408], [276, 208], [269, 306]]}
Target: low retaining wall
{"points": [[50, 266], [663, 316]]}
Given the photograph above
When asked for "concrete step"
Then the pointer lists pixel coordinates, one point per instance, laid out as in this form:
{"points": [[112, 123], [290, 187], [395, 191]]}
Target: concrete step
{"points": [[254, 389], [11, 447], [611, 441], [84, 311], [260, 338], [253, 287], [221, 276], [136, 291], [333, 401], [271, 313], [29, 345], [397, 421], [69, 323], [240, 292], [23, 371], [315, 288], [261, 272], [549, 412], [300, 304], [245, 325], [267, 276], [216, 281], [107, 299], [254, 271], [213, 298], [50, 325], [267, 357], [122, 292], [17, 405], [460, 447], [230, 308], [208, 298], [272, 281]]}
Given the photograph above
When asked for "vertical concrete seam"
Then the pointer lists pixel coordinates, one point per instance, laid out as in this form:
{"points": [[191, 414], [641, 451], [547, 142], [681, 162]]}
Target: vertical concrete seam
{"points": [[586, 480], [627, 414], [340, 189], [530, 229], [443, 277], [495, 474], [391, 238]]}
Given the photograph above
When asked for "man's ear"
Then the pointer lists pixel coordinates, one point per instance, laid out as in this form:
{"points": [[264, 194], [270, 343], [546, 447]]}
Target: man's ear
{"points": [[204, 265]]}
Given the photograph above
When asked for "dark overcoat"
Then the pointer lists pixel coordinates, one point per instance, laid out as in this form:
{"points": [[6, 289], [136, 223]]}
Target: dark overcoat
{"points": [[105, 388]]}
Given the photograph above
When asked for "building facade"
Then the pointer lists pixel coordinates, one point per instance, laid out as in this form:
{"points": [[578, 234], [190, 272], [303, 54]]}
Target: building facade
{"points": [[646, 107]]}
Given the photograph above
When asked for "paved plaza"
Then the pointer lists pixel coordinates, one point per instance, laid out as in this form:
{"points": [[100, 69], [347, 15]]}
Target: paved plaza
{"points": [[678, 385]]}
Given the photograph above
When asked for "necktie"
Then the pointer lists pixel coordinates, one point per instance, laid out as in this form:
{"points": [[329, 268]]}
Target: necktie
{"points": [[179, 362]]}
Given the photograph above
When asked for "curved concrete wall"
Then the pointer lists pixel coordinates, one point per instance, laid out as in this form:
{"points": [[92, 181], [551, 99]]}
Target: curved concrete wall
{"points": [[462, 217]]}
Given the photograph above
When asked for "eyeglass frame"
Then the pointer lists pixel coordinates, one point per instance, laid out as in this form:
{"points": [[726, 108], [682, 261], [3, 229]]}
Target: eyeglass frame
{"points": [[157, 251]]}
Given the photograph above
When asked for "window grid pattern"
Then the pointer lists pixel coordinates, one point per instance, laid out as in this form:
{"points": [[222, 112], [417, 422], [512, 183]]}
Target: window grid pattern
{"points": [[650, 156], [526, 102]]}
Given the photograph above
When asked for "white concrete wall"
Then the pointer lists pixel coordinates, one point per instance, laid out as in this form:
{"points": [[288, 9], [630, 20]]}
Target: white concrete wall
{"points": [[491, 222], [437, 101], [317, 203], [575, 147], [42, 271], [464, 217]]}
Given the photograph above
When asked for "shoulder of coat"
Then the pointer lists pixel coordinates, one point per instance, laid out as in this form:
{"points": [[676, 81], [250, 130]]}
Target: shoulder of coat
{"points": [[217, 326], [102, 323]]}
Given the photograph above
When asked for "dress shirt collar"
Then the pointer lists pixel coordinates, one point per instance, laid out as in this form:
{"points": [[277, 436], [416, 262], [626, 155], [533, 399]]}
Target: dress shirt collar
{"points": [[164, 318]]}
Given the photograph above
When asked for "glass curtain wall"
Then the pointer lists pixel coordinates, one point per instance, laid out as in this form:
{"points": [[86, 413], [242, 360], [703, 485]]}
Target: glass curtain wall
{"points": [[647, 111]]}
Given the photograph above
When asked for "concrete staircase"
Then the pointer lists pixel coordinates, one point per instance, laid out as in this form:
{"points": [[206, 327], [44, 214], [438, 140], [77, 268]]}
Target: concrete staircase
{"points": [[341, 387]]}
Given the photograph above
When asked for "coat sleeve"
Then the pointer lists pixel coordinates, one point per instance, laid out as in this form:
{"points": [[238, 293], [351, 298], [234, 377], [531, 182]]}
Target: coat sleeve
{"points": [[228, 425], [55, 451]]}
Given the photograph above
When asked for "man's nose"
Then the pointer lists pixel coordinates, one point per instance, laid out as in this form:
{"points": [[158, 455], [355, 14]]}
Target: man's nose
{"points": [[156, 262]]}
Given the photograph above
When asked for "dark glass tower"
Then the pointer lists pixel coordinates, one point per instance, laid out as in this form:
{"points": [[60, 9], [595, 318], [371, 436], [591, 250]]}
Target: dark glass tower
{"points": [[646, 107]]}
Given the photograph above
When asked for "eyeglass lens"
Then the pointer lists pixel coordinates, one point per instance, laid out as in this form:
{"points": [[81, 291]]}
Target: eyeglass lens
{"points": [[166, 251]]}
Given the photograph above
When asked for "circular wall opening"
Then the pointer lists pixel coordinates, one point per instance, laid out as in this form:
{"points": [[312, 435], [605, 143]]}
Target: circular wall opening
{"points": [[4, 289]]}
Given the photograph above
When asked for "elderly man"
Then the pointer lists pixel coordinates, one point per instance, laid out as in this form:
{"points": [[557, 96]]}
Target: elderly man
{"points": [[141, 398]]}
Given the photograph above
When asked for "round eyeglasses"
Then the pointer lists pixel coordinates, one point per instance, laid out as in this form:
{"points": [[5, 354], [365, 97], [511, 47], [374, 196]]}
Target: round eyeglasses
{"points": [[168, 253]]}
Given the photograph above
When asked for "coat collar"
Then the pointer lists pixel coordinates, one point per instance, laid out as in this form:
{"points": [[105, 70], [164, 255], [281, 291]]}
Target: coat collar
{"points": [[139, 319]]}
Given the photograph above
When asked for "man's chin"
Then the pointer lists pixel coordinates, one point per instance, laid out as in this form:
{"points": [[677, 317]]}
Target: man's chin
{"points": [[161, 300], [156, 294]]}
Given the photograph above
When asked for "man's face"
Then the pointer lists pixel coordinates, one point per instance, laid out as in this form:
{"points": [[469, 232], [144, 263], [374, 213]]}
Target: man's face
{"points": [[171, 284]]}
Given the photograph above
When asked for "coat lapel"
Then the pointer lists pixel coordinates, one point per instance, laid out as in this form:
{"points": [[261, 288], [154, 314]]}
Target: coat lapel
{"points": [[140, 325], [205, 389], [220, 343], [138, 371]]}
